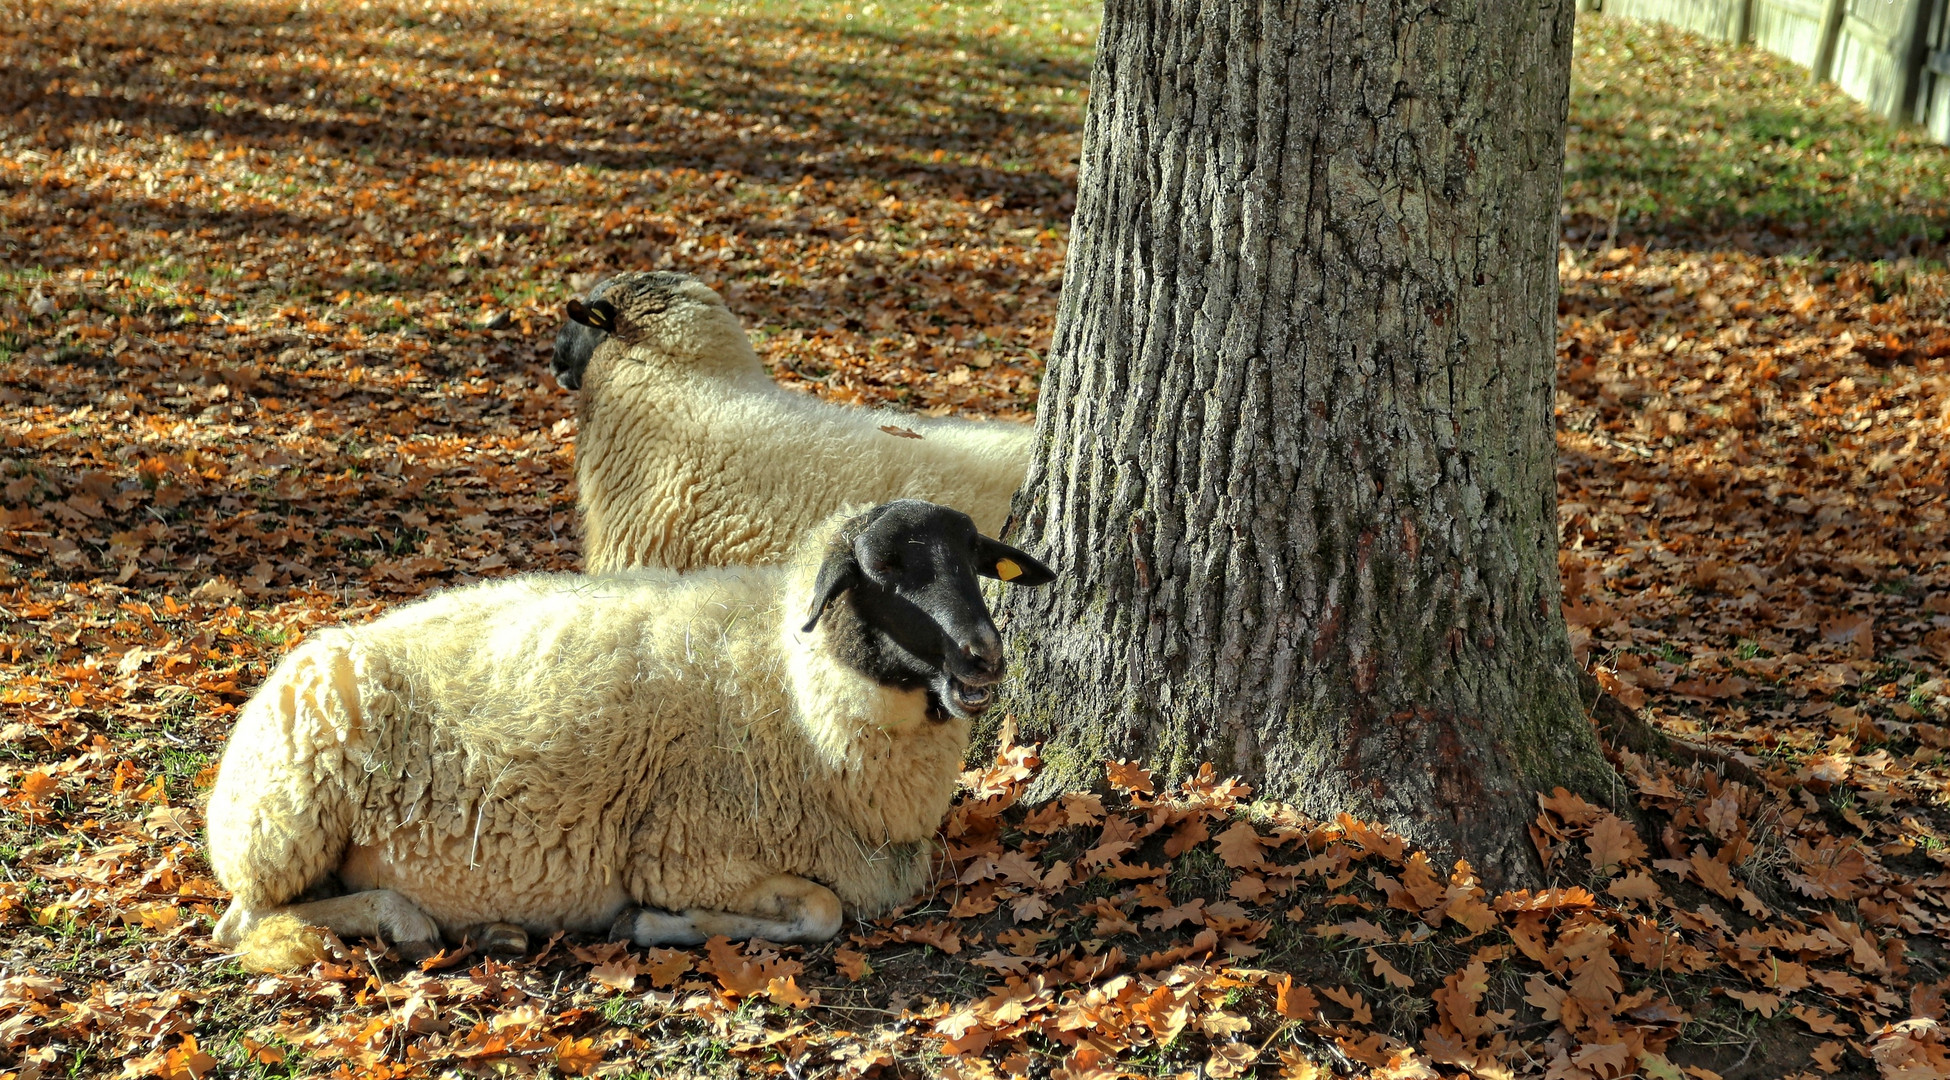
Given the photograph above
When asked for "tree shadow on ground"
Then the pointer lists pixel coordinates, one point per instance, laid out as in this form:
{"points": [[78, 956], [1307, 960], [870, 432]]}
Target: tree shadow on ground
{"points": [[1677, 142], [610, 94]]}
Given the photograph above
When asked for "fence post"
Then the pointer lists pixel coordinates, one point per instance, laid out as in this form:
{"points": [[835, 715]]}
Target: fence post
{"points": [[1743, 22], [1912, 61], [1832, 12]]}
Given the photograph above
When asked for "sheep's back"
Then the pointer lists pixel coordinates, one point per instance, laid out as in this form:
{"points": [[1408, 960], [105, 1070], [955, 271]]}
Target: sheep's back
{"points": [[684, 470]]}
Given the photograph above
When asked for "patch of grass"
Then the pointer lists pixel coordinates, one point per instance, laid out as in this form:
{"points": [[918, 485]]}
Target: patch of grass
{"points": [[1671, 135], [1198, 872]]}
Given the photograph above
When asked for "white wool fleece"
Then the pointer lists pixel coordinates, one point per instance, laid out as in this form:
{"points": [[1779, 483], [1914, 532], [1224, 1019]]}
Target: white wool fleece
{"points": [[689, 455], [548, 750]]}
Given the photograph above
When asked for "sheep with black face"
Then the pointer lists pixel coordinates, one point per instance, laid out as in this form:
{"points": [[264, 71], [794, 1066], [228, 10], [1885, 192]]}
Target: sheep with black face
{"points": [[689, 455], [576, 342], [749, 752]]}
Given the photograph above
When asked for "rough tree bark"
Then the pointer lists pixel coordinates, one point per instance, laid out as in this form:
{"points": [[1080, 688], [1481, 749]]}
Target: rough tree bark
{"points": [[1295, 456]]}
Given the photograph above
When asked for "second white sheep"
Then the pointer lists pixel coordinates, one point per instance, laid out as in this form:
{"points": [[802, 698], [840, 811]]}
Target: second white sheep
{"points": [[689, 455]]}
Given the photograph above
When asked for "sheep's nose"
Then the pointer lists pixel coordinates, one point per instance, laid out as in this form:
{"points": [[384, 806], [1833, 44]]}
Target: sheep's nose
{"points": [[985, 652]]}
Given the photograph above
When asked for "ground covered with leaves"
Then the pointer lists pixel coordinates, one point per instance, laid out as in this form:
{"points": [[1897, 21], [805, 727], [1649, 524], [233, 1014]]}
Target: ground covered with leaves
{"points": [[274, 312]]}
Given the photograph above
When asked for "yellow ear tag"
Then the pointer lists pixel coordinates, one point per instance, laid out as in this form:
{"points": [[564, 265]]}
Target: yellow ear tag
{"points": [[1007, 570]]}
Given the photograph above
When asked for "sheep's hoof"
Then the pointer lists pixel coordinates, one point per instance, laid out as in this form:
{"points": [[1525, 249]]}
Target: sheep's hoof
{"points": [[415, 951], [499, 939]]}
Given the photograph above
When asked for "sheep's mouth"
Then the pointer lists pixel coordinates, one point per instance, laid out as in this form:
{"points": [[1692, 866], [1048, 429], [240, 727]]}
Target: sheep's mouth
{"points": [[955, 698], [971, 698]]}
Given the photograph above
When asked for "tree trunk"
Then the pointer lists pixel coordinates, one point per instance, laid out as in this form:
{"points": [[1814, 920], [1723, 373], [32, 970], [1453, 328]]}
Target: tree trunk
{"points": [[1295, 462]]}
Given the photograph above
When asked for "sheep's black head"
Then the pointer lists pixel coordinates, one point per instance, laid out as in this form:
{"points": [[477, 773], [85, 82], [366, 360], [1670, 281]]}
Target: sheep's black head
{"points": [[659, 306], [911, 612], [576, 342]]}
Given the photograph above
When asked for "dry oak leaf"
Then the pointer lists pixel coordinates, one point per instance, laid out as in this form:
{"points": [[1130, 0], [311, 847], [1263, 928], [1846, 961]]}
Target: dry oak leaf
{"points": [[1466, 907], [1714, 874], [1111, 919], [1028, 908], [181, 1062], [1129, 777], [1756, 1001], [1023, 942], [852, 964], [743, 976], [941, 935], [1406, 1065], [1241, 847], [1819, 1022], [1855, 630], [1118, 836], [1187, 835], [262, 1053], [1613, 842], [1220, 1023], [1572, 808], [1914, 1049], [1725, 686], [666, 966], [1928, 1000], [784, 990], [1201, 944], [35, 788], [1833, 869], [1359, 929], [1722, 813], [1014, 1000], [1294, 1002], [1230, 1059], [1637, 885], [1545, 900], [577, 1057], [977, 901], [1192, 911], [1352, 1000], [1370, 839], [1388, 972], [1840, 983], [1250, 888], [1422, 891], [618, 976], [1458, 998], [1827, 1057], [1295, 1065], [1546, 995]]}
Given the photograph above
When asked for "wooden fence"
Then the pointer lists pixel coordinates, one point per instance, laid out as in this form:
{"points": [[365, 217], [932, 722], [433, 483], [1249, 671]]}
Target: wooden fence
{"points": [[1891, 55]]}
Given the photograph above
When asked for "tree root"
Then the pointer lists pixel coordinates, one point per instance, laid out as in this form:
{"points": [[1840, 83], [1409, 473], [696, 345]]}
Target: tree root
{"points": [[1620, 726]]}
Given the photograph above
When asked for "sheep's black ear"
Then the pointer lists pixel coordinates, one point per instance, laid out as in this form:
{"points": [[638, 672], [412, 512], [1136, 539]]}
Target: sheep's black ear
{"points": [[840, 572], [995, 559], [600, 314]]}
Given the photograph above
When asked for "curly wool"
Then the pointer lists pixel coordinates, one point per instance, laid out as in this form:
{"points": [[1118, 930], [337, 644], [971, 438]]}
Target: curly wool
{"points": [[688, 454], [550, 749]]}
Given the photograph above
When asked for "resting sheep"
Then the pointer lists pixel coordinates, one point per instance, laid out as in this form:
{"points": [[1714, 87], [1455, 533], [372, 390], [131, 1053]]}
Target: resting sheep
{"points": [[689, 455], [746, 751]]}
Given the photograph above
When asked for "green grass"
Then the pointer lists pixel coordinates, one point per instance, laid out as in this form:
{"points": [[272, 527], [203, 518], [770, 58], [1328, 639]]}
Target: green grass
{"points": [[1672, 135]]}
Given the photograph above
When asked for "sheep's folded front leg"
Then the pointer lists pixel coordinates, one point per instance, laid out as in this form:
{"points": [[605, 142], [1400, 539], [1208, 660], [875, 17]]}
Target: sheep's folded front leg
{"points": [[271, 942], [784, 908]]}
